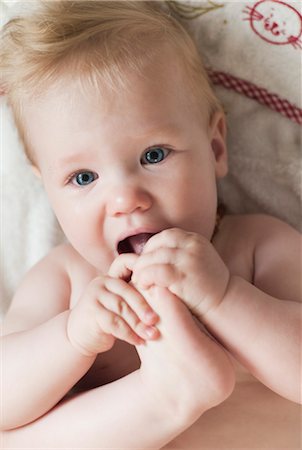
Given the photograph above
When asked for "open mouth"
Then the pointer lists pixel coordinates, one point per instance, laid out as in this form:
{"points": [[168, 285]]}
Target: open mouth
{"points": [[134, 244]]}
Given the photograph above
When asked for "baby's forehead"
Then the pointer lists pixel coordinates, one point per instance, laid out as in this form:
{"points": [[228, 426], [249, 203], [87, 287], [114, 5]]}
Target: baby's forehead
{"points": [[161, 78], [163, 68], [163, 62], [160, 89]]}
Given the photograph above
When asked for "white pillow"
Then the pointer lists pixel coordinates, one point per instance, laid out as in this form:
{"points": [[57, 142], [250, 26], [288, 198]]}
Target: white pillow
{"points": [[257, 45]]}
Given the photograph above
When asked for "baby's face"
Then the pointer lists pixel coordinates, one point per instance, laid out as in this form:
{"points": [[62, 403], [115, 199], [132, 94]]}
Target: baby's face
{"points": [[116, 165]]}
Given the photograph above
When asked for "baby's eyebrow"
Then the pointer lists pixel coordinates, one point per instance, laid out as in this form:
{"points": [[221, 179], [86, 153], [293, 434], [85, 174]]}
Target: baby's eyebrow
{"points": [[166, 129], [160, 133], [75, 157]]}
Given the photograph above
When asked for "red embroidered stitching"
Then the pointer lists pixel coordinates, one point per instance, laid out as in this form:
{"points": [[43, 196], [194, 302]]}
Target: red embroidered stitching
{"points": [[276, 22], [263, 96]]}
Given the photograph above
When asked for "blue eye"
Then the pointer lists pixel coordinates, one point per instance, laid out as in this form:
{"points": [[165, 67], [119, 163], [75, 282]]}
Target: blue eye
{"points": [[154, 155], [83, 178]]}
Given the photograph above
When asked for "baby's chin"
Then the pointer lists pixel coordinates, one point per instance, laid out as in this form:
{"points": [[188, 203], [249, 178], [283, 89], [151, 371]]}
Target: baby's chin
{"points": [[97, 263]]}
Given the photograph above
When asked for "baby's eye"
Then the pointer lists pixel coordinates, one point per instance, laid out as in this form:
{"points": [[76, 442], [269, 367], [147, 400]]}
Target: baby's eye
{"points": [[83, 178], [154, 155]]}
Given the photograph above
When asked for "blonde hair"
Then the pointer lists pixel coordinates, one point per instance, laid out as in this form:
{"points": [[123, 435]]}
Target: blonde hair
{"points": [[94, 41]]}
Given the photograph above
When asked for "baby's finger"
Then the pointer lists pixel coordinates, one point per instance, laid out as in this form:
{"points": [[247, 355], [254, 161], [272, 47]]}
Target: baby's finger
{"points": [[119, 307], [113, 324], [158, 256], [162, 275], [133, 298], [171, 237], [122, 266]]}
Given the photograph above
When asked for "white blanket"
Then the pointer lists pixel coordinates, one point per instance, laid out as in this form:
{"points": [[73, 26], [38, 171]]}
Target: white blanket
{"points": [[257, 41]]}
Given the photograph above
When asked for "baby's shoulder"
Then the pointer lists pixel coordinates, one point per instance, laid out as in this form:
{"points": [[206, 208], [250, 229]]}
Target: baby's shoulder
{"points": [[78, 271], [264, 250], [42, 293], [242, 236], [235, 242], [254, 229], [70, 262], [65, 257], [47, 289]]}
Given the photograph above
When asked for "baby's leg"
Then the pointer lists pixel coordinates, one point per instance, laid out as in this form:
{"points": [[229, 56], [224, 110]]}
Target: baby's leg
{"points": [[118, 415], [183, 374]]}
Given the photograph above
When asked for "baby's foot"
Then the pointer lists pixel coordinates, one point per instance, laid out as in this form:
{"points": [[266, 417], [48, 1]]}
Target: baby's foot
{"points": [[184, 369]]}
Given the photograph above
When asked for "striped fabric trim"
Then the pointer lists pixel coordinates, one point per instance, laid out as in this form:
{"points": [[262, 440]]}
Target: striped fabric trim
{"points": [[263, 96]]}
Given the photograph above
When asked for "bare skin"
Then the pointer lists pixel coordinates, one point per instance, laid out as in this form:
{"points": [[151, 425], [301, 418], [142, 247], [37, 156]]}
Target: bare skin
{"points": [[182, 352], [146, 162], [278, 426], [254, 416]]}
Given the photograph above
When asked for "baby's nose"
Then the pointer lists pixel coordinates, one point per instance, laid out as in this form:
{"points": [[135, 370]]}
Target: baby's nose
{"points": [[127, 199]]}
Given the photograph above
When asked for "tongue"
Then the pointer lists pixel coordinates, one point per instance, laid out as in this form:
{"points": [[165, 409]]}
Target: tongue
{"points": [[139, 241]]}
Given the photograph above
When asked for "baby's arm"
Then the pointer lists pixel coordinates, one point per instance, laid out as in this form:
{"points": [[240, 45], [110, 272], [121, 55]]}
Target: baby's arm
{"points": [[260, 326], [261, 322], [118, 415], [47, 348], [183, 373]]}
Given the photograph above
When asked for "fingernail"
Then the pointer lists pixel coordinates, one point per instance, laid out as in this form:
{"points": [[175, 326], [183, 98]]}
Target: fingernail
{"points": [[151, 316], [150, 331]]}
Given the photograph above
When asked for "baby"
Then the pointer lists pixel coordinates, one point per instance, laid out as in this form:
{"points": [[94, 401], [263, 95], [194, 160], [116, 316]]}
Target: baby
{"points": [[127, 334]]}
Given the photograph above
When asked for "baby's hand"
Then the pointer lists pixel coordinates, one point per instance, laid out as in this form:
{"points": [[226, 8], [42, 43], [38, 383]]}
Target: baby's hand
{"points": [[110, 308], [185, 263]]}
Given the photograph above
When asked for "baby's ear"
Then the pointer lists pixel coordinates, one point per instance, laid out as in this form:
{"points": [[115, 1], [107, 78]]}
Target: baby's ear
{"points": [[36, 171], [218, 143]]}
